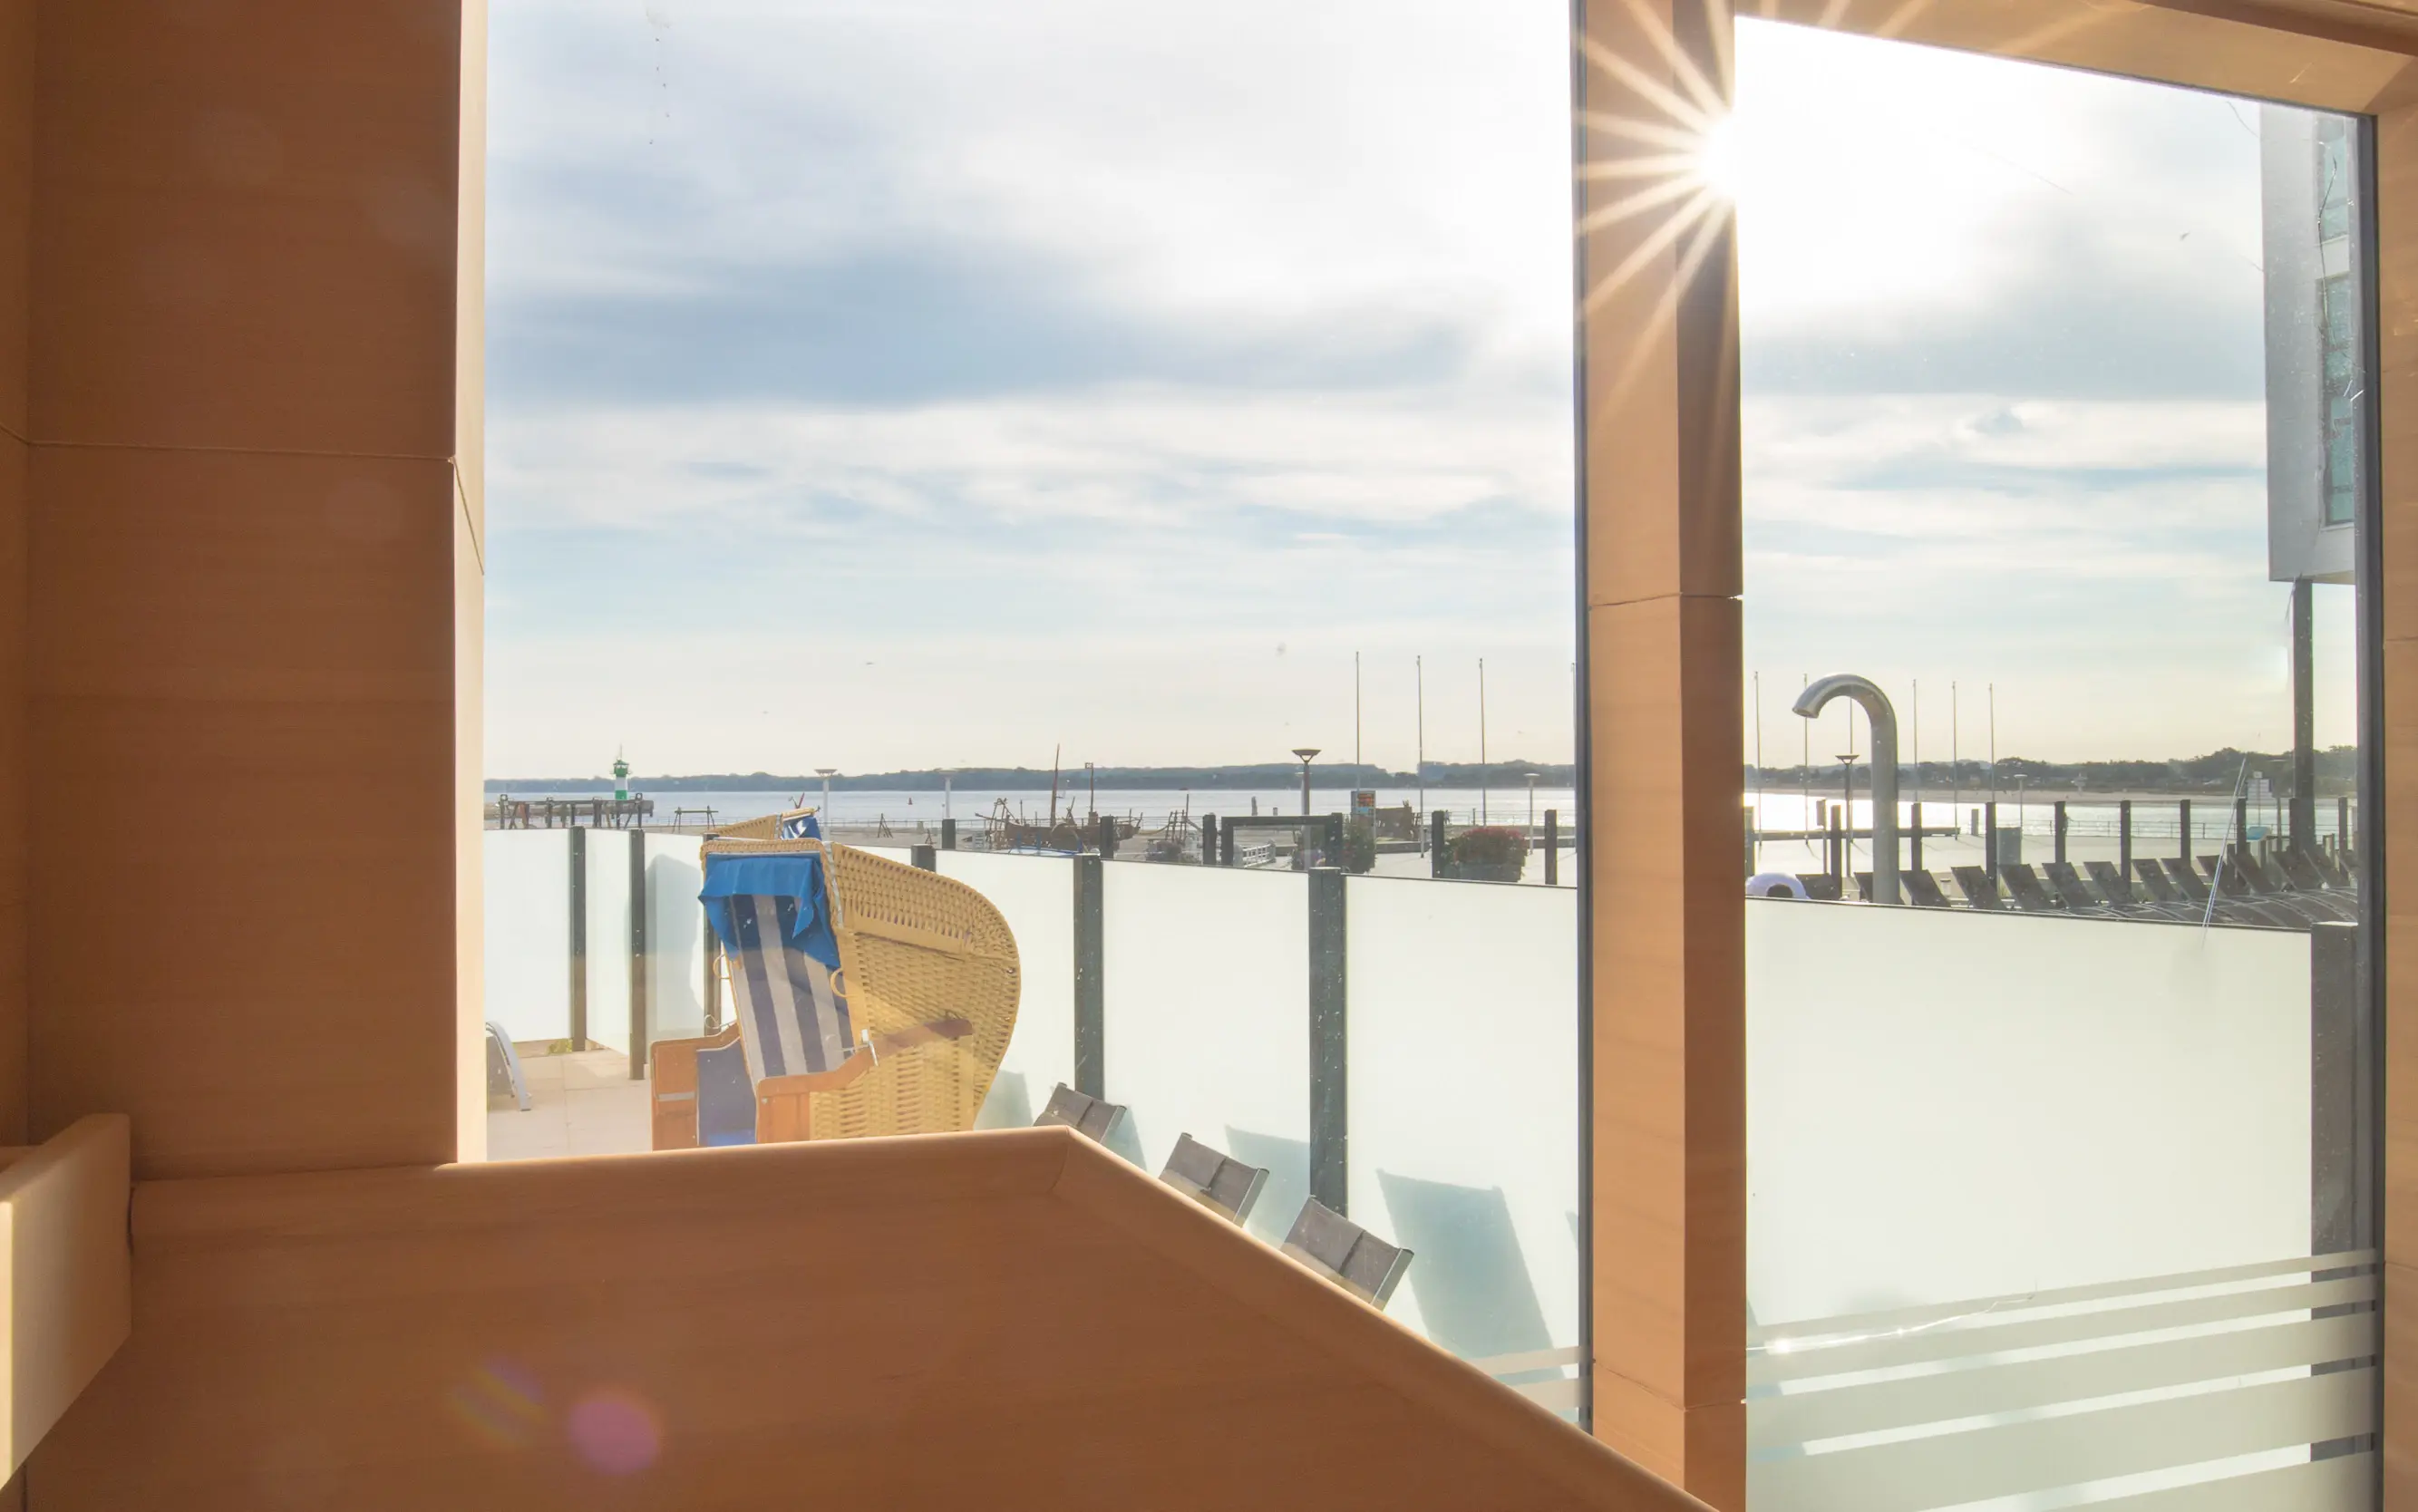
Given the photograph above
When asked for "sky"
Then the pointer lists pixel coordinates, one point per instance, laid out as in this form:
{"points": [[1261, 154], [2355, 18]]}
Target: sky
{"points": [[903, 383]]}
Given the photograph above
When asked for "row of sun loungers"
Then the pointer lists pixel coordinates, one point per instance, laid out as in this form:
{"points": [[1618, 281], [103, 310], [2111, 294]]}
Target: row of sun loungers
{"points": [[2293, 890]]}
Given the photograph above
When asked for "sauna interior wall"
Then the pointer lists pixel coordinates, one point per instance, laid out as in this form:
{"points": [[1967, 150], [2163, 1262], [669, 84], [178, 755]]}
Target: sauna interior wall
{"points": [[240, 423]]}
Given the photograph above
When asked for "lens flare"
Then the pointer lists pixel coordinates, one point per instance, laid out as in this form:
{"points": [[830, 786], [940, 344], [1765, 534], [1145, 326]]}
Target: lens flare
{"points": [[501, 1403], [616, 1431]]}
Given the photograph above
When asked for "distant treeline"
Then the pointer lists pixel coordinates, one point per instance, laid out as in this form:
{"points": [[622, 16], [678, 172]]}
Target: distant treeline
{"points": [[2215, 772], [1513, 774]]}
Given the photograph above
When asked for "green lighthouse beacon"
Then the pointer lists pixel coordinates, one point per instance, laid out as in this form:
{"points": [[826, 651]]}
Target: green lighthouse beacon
{"points": [[621, 779]]}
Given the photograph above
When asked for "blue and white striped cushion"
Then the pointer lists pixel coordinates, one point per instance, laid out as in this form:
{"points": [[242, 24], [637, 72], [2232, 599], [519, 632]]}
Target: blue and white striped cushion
{"points": [[791, 1018]]}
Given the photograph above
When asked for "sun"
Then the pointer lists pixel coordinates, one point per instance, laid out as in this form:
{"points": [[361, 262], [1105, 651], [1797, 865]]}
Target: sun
{"points": [[1718, 163]]}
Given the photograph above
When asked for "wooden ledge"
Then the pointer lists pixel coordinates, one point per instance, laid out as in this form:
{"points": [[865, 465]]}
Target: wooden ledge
{"points": [[66, 1270]]}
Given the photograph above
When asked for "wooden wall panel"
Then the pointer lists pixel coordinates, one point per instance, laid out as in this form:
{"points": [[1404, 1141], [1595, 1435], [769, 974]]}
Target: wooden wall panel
{"points": [[246, 227], [243, 695], [2343, 59], [245, 629], [1010, 1321], [1660, 427], [470, 595], [16, 173], [66, 1274], [2396, 135]]}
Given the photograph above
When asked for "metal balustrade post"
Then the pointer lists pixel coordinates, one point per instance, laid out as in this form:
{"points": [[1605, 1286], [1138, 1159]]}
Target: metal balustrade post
{"points": [[1330, 1063], [638, 1025], [578, 938], [2338, 1164], [1091, 996]]}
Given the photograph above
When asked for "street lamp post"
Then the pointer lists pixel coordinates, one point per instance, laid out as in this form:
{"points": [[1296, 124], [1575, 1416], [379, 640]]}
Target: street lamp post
{"points": [[1531, 802], [1301, 852]]}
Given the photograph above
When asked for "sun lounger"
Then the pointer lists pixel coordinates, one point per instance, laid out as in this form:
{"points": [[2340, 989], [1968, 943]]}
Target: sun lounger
{"points": [[2185, 881], [2330, 868], [2111, 882], [2024, 886], [1980, 892], [2157, 882], [2299, 870], [2229, 880], [504, 1078], [2070, 889], [1922, 889]]}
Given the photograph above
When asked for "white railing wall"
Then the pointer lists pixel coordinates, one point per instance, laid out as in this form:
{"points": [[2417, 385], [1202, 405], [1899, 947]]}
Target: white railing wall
{"points": [[1206, 1019], [1035, 894], [1945, 1105], [1464, 1108]]}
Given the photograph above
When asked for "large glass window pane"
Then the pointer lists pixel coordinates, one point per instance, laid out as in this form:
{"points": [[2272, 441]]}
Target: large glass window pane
{"points": [[2060, 1143], [1115, 471]]}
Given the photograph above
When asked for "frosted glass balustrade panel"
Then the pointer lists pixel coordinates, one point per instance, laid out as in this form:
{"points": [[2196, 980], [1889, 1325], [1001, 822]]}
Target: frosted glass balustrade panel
{"points": [[676, 933], [1462, 1027], [526, 907], [1987, 1105], [1206, 1020], [608, 938], [1035, 896]]}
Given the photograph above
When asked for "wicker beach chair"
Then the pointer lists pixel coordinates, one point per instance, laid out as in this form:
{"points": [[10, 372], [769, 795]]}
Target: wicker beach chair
{"points": [[870, 998]]}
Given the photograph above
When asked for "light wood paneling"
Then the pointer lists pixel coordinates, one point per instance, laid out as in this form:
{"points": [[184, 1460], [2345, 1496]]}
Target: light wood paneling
{"points": [[16, 170], [1670, 1128], [2325, 56], [1658, 401], [244, 686], [1659, 428], [17, 51], [1009, 1320], [245, 229], [67, 1278], [14, 801], [2396, 137], [470, 591], [252, 651]]}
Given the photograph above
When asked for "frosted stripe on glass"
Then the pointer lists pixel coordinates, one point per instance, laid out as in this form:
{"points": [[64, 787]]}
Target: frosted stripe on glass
{"points": [[1805, 1417], [2344, 1484], [1956, 1343], [1864, 1323], [1949, 1469]]}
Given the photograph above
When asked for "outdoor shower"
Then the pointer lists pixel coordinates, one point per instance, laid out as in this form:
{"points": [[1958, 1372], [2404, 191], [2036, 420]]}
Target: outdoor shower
{"points": [[1884, 722]]}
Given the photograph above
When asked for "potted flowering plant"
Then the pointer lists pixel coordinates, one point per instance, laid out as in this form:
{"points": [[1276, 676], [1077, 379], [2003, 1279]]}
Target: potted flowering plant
{"points": [[1489, 853]]}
